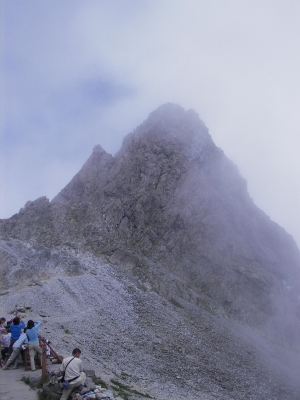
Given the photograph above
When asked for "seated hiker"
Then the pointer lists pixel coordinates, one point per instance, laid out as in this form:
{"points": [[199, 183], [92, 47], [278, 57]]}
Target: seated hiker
{"points": [[2, 330], [17, 347], [73, 373], [33, 341], [5, 343]]}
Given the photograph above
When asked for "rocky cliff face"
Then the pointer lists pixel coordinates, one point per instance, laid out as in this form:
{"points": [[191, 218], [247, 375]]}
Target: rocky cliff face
{"points": [[171, 211]]}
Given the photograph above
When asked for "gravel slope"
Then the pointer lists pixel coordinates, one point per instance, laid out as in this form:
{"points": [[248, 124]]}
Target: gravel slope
{"points": [[170, 351]]}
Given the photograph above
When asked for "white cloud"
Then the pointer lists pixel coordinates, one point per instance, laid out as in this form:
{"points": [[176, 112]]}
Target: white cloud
{"points": [[81, 73]]}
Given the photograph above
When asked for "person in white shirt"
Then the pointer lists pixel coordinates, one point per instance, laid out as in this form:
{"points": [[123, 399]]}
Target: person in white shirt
{"points": [[73, 372]]}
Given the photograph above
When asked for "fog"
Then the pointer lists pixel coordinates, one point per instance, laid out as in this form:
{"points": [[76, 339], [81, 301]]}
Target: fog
{"points": [[75, 74]]}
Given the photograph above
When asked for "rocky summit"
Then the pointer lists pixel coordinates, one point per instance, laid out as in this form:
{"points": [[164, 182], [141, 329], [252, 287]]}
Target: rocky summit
{"points": [[158, 264]]}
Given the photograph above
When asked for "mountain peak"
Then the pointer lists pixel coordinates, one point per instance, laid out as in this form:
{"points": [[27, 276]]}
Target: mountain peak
{"points": [[168, 218], [171, 201], [170, 125], [98, 149]]}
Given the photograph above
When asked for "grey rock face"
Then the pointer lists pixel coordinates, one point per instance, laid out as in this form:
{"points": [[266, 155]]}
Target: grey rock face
{"points": [[173, 210], [173, 213]]}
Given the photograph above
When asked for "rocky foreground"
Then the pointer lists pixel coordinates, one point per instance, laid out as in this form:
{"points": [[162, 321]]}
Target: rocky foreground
{"points": [[165, 349]]}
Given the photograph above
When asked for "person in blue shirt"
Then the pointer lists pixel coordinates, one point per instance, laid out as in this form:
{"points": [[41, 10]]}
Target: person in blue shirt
{"points": [[33, 341], [17, 347], [15, 329]]}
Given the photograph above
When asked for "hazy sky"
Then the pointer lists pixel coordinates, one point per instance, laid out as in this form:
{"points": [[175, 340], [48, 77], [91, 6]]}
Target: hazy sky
{"points": [[79, 73]]}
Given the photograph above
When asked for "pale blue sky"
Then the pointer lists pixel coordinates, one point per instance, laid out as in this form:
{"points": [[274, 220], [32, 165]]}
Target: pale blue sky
{"points": [[78, 73]]}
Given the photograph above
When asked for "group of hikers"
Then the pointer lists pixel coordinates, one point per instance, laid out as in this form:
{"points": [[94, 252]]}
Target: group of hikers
{"points": [[15, 337]]}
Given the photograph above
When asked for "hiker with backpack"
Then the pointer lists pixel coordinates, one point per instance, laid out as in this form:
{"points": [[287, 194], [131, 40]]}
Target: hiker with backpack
{"points": [[73, 375], [33, 341]]}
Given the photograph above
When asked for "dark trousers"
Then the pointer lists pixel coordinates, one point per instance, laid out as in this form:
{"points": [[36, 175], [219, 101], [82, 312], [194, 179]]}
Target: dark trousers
{"points": [[3, 352]]}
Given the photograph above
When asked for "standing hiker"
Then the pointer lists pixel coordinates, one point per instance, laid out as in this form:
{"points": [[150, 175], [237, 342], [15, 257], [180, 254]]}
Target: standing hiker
{"points": [[15, 328], [33, 341]]}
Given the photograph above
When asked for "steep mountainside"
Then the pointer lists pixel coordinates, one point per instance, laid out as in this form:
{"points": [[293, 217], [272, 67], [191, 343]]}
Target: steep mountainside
{"points": [[173, 213], [172, 209]]}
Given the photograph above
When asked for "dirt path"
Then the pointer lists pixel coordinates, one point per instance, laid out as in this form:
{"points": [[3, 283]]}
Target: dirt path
{"points": [[13, 388]]}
